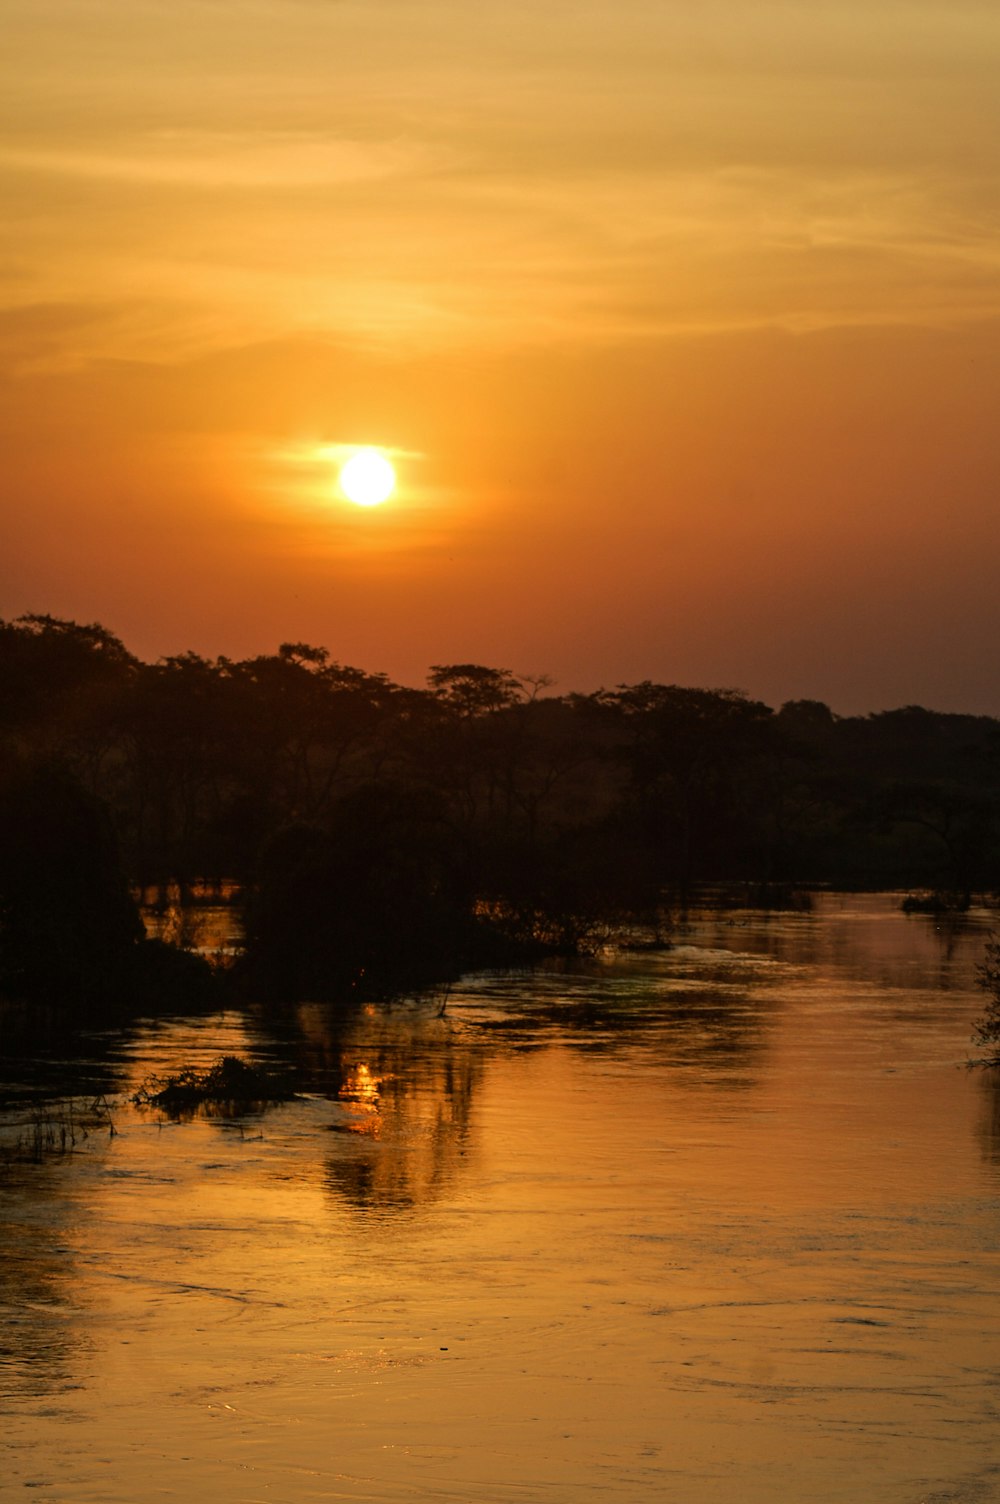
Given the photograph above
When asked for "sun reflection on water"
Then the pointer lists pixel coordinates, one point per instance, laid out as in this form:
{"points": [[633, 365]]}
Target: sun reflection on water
{"points": [[360, 1085]]}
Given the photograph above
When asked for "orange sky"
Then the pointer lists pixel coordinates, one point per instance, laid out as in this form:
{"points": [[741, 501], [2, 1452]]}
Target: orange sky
{"points": [[681, 321]]}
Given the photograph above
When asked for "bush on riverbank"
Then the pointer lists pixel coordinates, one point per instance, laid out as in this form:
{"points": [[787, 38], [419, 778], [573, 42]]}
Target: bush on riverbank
{"points": [[71, 936]]}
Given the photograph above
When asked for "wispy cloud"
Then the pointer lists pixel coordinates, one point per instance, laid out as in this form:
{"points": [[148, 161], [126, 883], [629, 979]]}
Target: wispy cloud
{"points": [[212, 161]]}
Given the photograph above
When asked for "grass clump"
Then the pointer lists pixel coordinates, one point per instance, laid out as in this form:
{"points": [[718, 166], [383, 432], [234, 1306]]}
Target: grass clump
{"points": [[230, 1084]]}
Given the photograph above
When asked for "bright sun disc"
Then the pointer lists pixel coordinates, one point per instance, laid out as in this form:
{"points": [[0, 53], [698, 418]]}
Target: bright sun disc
{"points": [[367, 478]]}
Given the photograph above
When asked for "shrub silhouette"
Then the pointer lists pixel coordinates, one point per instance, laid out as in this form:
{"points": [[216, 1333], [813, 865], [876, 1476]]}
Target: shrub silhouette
{"points": [[70, 932], [68, 925]]}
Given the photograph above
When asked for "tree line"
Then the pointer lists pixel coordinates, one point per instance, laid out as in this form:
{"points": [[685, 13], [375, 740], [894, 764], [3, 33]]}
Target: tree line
{"points": [[383, 834]]}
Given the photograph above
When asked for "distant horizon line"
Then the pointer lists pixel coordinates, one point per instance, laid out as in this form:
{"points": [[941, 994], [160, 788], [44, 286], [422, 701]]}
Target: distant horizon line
{"points": [[545, 685]]}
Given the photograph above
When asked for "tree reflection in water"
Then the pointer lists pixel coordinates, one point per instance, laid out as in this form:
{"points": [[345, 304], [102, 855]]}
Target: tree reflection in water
{"points": [[989, 1121], [403, 1078], [407, 1076]]}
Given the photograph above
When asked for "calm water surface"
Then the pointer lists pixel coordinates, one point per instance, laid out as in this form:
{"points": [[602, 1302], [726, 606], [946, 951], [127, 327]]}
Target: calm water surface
{"points": [[717, 1224]]}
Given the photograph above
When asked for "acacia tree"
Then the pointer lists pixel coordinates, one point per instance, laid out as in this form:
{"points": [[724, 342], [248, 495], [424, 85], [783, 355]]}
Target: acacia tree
{"points": [[308, 729], [464, 729], [696, 761], [61, 686], [179, 758]]}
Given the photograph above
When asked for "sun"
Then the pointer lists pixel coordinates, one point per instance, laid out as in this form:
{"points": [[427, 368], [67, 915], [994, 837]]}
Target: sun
{"points": [[367, 478]]}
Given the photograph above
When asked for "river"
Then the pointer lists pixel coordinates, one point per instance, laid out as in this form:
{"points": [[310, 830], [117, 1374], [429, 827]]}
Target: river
{"points": [[717, 1225]]}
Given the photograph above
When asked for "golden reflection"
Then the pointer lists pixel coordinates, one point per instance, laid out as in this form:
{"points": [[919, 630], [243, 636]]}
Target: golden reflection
{"points": [[360, 1085], [360, 1090], [406, 1084], [416, 1139], [200, 916]]}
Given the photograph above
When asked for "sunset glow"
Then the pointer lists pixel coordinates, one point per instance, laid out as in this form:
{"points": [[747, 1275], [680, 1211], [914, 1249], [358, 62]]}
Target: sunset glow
{"points": [[500, 751], [696, 321]]}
